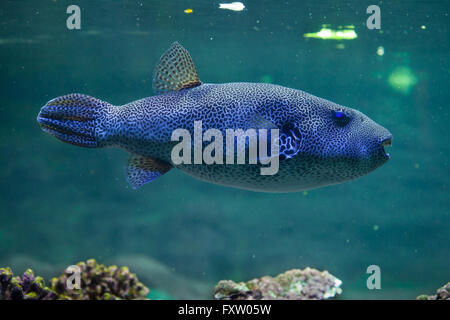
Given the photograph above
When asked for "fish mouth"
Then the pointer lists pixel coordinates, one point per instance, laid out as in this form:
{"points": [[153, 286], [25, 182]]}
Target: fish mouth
{"points": [[387, 142]]}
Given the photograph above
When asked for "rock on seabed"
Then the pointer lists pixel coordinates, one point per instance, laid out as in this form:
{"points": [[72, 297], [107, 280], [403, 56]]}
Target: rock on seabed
{"points": [[295, 284]]}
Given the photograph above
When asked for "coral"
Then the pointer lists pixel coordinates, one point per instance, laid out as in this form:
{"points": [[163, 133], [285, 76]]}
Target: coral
{"points": [[443, 293], [307, 284], [96, 281], [27, 287]]}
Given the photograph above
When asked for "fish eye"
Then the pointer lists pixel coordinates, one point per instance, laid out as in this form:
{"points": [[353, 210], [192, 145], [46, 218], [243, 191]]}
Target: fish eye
{"points": [[340, 118]]}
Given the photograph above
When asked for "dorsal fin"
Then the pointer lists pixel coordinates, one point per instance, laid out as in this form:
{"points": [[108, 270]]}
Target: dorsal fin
{"points": [[175, 71]]}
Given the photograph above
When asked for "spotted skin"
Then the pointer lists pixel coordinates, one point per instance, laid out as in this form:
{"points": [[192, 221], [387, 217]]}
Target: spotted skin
{"points": [[321, 151], [321, 143]]}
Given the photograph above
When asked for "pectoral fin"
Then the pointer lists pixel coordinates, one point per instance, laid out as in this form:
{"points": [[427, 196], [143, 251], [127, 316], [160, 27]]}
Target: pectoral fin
{"points": [[175, 71], [141, 170], [291, 139], [259, 122], [290, 136]]}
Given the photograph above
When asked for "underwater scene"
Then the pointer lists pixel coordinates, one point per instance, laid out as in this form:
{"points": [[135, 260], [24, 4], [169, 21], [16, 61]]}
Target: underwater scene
{"points": [[105, 103]]}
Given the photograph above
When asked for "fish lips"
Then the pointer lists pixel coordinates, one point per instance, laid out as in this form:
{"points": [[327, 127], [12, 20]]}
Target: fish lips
{"points": [[386, 142]]}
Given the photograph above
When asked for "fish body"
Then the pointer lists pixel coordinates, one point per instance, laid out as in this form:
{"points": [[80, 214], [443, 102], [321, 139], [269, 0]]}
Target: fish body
{"points": [[320, 143]]}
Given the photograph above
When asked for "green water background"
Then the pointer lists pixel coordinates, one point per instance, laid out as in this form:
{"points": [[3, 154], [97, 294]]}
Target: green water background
{"points": [[60, 204]]}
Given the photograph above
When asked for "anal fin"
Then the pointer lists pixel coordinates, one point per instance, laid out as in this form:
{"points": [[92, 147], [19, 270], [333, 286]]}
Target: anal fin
{"points": [[141, 170]]}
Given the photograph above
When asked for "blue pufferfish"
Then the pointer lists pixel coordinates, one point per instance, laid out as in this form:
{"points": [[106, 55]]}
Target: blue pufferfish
{"points": [[320, 142]]}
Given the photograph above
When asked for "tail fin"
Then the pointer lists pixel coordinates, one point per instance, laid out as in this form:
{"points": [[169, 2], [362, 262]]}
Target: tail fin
{"points": [[75, 119]]}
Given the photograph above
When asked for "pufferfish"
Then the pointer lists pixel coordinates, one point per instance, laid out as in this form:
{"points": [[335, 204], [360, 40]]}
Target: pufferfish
{"points": [[319, 142]]}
